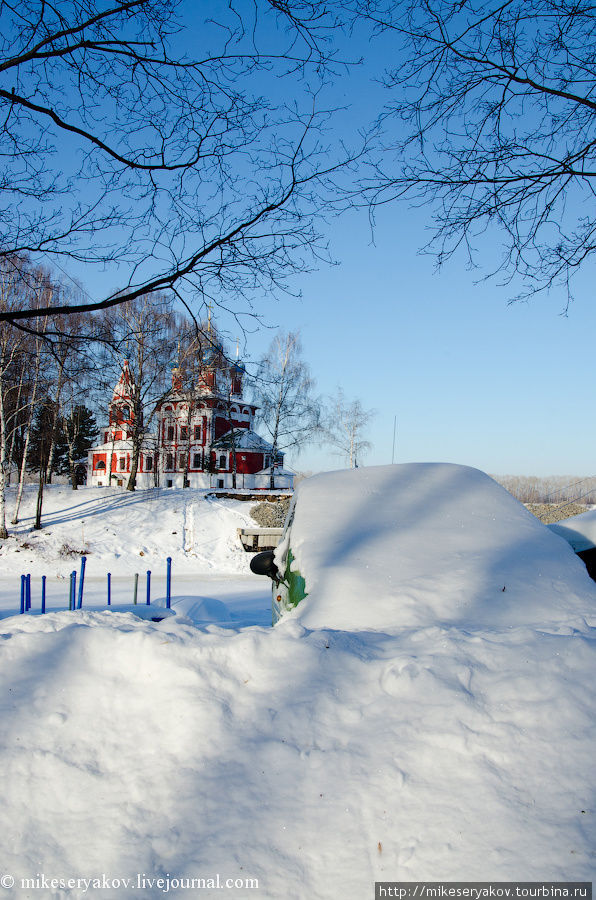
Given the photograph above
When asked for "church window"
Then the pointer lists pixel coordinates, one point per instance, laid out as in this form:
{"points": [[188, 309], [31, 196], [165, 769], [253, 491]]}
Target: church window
{"points": [[122, 463], [170, 432], [148, 463], [196, 461], [222, 461], [184, 432], [125, 412], [169, 461], [101, 465], [197, 433], [182, 461]]}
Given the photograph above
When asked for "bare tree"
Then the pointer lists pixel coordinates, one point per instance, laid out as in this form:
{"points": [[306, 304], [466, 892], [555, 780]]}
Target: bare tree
{"points": [[20, 372], [72, 375], [283, 389], [344, 426], [493, 108], [12, 393], [190, 173], [34, 363]]}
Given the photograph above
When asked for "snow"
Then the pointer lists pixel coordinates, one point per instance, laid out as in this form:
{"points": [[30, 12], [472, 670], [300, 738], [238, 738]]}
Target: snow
{"points": [[244, 439], [316, 758], [426, 544], [578, 531]]}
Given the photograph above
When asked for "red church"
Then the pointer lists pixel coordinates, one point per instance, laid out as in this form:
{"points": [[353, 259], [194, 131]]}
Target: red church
{"points": [[204, 436]]}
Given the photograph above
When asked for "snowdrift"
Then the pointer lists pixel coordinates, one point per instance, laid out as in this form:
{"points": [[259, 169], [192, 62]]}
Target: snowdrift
{"points": [[578, 531], [434, 740], [429, 544]]}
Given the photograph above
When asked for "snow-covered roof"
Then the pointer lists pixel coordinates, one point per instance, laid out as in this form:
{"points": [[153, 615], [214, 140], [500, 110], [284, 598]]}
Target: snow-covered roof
{"points": [[149, 444], [244, 439], [423, 544], [279, 470]]}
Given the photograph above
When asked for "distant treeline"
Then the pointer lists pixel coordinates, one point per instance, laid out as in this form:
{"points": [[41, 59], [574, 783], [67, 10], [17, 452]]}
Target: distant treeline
{"points": [[550, 489]]}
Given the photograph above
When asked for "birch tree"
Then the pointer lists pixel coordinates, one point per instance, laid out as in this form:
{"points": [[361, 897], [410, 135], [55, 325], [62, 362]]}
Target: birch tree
{"points": [[284, 390], [344, 427], [14, 379]]}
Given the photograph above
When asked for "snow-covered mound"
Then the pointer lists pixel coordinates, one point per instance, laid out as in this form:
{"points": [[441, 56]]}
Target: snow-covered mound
{"points": [[132, 531], [297, 762], [578, 531], [425, 545], [313, 761]]}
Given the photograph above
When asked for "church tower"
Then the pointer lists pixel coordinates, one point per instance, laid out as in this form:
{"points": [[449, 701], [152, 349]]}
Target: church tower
{"points": [[121, 408]]}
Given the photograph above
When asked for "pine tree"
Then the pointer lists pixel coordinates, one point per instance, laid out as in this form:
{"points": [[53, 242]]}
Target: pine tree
{"points": [[79, 433]]}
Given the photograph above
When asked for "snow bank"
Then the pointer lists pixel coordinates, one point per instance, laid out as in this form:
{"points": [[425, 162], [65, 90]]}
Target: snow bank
{"points": [[579, 531], [425, 742], [314, 761], [126, 532], [429, 544]]}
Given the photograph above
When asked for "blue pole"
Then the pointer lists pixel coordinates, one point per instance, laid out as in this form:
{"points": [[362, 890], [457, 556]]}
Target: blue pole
{"points": [[73, 590], [148, 588], [82, 581], [169, 582], [22, 594], [109, 588], [28, 590], [43, 594]]}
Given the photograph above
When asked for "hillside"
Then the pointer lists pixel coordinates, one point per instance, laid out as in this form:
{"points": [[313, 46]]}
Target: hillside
{"points": [[126, 533]]}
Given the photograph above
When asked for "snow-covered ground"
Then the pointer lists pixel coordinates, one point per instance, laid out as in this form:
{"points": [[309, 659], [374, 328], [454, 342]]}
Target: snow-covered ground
{"points": [[132, 533], [315, 759]]}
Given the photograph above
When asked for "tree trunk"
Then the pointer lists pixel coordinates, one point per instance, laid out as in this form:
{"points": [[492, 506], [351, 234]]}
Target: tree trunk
{"points": [[3, 529], [73, 471], [9, 451], [39, 506], [234, 464], [15, 517], [134, 465], [17, 506], [50, 463], [111, 462]]}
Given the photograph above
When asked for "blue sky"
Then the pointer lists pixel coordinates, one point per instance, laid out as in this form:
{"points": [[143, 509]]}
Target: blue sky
{"points": [[469, 378]]}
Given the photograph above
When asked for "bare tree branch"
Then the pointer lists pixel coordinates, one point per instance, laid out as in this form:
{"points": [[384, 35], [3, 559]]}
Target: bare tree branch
{"points": [[191, 173], [493, 113]]}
